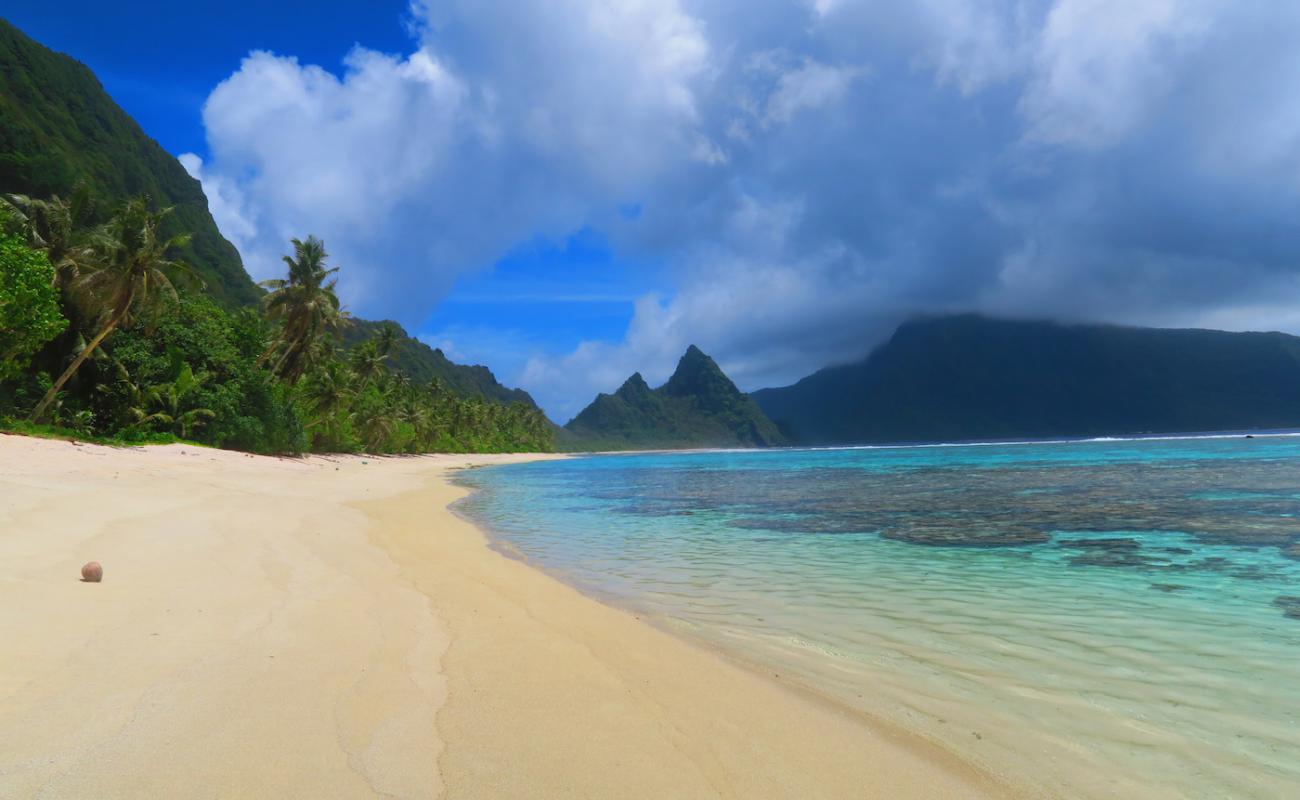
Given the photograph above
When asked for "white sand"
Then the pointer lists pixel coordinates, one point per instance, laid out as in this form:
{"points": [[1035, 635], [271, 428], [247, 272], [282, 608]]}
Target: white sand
{"points": [[326, 628]]}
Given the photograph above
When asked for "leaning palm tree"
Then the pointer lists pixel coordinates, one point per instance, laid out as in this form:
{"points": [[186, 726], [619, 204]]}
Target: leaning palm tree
{"points": [[130, 274], [306, 306]]}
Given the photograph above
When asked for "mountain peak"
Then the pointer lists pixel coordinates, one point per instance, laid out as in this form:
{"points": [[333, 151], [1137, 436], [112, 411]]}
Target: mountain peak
{"points": [[699, 406], [699, 375], [695, 358], [633, 387]]}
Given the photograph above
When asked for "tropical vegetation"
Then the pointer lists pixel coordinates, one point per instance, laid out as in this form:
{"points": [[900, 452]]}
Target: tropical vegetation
{"points": [[106, 333], [29, 310]]}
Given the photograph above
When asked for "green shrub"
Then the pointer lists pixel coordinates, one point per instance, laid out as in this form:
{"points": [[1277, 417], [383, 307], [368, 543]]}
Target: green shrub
{"points": [[253, 411], [29, 308]]}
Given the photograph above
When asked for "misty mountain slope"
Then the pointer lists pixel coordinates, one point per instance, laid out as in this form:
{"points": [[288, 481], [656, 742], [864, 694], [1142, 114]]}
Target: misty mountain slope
{"points": [[970, 377]]}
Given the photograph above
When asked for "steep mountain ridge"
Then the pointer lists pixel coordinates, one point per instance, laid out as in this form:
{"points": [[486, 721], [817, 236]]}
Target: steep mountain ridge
{"points": [[58, 128], [970, 377]]}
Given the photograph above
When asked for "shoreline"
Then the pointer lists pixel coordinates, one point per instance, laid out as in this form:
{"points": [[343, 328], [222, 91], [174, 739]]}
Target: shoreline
{"points": [[328, 626], [793, 681], [843, 752]]}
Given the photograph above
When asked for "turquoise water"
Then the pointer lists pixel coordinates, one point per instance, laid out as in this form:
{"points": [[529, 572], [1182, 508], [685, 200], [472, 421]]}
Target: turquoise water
{"points": [[1098, 619]]}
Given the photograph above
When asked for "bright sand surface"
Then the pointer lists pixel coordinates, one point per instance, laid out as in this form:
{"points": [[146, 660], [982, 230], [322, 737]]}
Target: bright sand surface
{"points": [[325, 628]]}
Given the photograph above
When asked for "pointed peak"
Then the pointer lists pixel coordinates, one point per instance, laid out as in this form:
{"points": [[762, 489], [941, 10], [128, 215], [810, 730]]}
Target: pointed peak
{"points": [[697, 374], [694, 355], [636, 384], [695, 359]]}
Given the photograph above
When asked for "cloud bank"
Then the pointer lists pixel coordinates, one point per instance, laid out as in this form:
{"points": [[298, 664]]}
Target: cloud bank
{"points": [[806, 174]]}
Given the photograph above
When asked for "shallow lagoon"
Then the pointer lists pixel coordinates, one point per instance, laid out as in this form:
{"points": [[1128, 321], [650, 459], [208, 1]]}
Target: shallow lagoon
{"points": [[1102, 618]]}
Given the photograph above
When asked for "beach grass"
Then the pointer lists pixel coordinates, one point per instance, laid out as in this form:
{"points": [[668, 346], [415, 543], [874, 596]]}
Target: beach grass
{"points": [[22, 427]]}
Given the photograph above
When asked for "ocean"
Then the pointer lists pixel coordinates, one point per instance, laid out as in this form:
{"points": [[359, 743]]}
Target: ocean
{"points": [[1095, 619]]}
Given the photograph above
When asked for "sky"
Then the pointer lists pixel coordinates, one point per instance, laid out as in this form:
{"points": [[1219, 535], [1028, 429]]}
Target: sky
{"points": [[573, 190]]}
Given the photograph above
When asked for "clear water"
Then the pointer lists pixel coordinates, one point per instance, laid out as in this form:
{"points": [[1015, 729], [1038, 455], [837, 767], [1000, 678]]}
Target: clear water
{"points": [[1097, 619]]}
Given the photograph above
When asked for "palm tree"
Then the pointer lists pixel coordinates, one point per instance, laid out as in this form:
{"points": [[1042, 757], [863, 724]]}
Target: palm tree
{"points": [[328, 390], [368, 358], [129, 274], [368, 362], [386, 339], [134, 396], [172, 401], [419, 414], [306, 306], [58, 227], [401, 382]]}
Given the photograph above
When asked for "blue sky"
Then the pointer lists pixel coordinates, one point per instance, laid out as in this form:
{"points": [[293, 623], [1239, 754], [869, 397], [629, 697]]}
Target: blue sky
{"points": [[573, 190], [160, 60]]}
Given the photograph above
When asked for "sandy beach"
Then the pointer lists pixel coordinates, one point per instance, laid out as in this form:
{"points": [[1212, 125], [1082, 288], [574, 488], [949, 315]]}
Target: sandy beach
{"points": [[326, 627]]}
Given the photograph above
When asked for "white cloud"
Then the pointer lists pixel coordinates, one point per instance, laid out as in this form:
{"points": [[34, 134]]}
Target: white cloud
{"points": [[806, 173], [810, 86], [1101, 65], [342, 158], [421, 168], [971, 44], [225, 202]]}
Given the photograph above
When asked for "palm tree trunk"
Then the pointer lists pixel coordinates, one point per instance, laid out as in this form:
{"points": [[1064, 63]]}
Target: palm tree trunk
{"points": [[287, 360], [39, 413]]}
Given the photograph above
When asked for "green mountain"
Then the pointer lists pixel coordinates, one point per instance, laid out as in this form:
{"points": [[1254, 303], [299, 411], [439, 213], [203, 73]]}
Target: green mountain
{"points": [[58, 127], [424, 364], [699, 406], [970, 377]]}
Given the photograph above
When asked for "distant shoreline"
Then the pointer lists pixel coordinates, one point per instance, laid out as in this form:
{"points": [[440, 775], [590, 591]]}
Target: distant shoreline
{"points": [[1135, 437]]}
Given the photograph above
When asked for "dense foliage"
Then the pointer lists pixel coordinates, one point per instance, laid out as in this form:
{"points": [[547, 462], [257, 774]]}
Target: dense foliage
{"points": [[29, 309], [699, 406], [149, 355]]}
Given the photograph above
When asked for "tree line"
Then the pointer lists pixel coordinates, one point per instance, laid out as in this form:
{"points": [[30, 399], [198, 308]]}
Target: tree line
{"points": [[103, 333]]}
